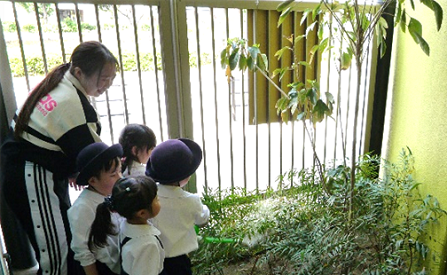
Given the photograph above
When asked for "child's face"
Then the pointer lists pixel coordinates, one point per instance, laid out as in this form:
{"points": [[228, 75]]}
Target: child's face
{"points": [[143, 155], [155, 207], [104, 184]]}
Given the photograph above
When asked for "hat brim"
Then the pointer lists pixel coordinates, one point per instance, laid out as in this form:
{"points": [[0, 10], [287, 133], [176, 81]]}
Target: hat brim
{"points": [[197, 159], [85, 174]]}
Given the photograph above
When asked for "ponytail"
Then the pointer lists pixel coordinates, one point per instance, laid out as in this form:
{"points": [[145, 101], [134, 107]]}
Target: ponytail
{"points": [[102, 226], [42, 89]]}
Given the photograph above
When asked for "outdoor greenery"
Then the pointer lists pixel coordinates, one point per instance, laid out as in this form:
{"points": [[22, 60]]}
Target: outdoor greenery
{"points": [[35, 65], [304, 229], [356, 25]]}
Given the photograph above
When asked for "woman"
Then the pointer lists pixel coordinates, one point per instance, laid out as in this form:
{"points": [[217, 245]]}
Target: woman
{"points": [[56, 122]]}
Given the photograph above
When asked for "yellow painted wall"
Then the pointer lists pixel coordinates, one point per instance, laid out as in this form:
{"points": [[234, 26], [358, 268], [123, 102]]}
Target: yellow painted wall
{"points": [[417, 113]]}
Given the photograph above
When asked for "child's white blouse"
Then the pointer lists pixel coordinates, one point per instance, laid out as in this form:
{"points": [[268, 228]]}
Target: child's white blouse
{"points": [[179, 212], [143, 254]]}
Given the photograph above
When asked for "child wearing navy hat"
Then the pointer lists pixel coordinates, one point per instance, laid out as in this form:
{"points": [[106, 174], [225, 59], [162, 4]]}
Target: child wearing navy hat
{"points": [[99, 168], [171, 165]]}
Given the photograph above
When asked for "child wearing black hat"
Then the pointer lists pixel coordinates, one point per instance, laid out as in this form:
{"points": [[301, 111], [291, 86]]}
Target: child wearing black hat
{"points": [[171, 165], [99, 168]]}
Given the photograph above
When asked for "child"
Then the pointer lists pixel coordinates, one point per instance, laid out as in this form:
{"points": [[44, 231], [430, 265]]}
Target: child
{"points": [[137, 141], [134, 198], [100, 168], [171, 164]]}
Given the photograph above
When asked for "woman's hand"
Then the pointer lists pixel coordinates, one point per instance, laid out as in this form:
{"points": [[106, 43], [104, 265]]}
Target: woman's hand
{"points": [[72, 184]]}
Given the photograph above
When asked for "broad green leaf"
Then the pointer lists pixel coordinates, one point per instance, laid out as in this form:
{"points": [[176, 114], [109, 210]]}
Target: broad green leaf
{"points": [[262, 62], [312, 95], [284, 5], [438, 14], [382, 48], [319, 110], [403, 21], [365, 22], [250, 63], [301, 116], [242, 62], [383, 25], [254, 51], [329, 97], [423, 44], [415, 29], [282, 104], [346, 60], [398, 14], [223, 58], [234, 59], [283, 16]]}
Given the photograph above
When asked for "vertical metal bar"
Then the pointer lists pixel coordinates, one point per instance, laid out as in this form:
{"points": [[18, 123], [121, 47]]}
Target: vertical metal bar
{"points": [[78, 21], [269, 138], [338, 104], [42, 46], [229, 110], [98, 27], [98, 24], [118, 39], [61, 37], [215, 99], [137, 55], [255, 106], [327, 84], [199, 67], [22, 51], [365, 98], [243, 108], [347, 107], [154, 53]]}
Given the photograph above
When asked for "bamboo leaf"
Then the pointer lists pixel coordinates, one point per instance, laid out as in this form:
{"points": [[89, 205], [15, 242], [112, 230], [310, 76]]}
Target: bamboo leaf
{"points": [[280, 52], [298, 38], [305, 14], [283, 16], [346, 60], [284, 5]]}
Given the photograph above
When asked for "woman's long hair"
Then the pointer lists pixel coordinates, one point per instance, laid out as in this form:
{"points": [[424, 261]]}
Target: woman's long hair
{"points": [[89, 56]]}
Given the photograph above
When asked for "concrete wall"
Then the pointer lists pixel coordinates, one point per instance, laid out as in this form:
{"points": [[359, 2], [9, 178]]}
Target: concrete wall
{"points": [[417, 113]]}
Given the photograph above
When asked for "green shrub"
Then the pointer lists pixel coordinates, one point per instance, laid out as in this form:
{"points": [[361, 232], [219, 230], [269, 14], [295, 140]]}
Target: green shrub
{"points": [[310, 230], [9, 26], [29, 28], [68, 25], [87, 26]]}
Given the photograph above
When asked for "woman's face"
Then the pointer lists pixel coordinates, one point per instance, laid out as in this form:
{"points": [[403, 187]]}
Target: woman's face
{"points": [[96, 85]]}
